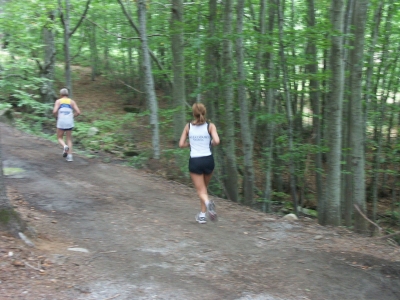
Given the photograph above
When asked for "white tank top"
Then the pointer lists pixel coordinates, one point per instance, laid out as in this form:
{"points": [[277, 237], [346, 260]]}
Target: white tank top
{"points": [[65, 118], [200, 140]]}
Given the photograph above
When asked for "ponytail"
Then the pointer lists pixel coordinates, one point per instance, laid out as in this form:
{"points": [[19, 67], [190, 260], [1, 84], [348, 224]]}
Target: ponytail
{"points": [[199, 113]]}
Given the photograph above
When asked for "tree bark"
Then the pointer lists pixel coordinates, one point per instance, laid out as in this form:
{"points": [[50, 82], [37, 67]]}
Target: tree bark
{"points": [[269, 102], [149, 80], [178, 67], [246, 133], [67, 55], [332, 213], [315, 99], [357, 125], [231, 179], [289, 113], [47, 71]]}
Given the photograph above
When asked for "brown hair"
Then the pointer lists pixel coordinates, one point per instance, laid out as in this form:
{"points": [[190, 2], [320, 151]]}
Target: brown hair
{"points": [[199, 112]]}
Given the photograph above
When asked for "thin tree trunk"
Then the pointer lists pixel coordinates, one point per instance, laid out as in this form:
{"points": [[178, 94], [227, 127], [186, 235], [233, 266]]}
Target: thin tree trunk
{"points": [[347, 178], [67, 56], [370, 64], [231, 179], [247, 139], [149, 80], [94, 57], [47, 71], [67, 36], [178, 67], [213, 93], [289, 114], [269, 103], [379, 129], [315, 99]]}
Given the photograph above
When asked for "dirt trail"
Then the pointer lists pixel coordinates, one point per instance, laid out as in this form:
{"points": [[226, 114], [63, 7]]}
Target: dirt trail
{"points": [[143, 241]]}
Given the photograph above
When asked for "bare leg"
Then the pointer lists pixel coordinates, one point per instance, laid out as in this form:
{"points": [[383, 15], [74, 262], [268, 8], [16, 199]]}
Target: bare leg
{"points": [[68, 134], [207, 178], [60, 137], [201, 188]]}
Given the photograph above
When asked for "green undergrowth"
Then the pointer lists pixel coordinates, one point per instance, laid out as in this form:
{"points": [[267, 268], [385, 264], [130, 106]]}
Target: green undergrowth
{"points": [[120, 136], [6, 215]]}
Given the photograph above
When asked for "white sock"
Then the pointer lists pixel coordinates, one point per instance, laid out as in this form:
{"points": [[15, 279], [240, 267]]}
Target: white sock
{"points": [[207, 202], [202, 214]]}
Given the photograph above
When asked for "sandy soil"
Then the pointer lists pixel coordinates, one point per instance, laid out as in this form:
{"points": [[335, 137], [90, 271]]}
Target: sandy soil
{"points": [[143, 242]]}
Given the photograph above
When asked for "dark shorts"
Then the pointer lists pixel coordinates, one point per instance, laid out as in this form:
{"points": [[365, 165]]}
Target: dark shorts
{"points": [[201, 165], [66, 129]]}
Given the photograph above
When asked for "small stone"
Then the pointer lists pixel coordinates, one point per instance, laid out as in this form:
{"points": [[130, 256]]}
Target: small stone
{"points": [[18, 263], [318, 237], [79, 250], [92, 131], [290, 217]]}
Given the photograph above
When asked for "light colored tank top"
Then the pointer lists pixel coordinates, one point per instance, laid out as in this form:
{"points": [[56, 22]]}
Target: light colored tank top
{"points": [[65, 118], [200, 140]]}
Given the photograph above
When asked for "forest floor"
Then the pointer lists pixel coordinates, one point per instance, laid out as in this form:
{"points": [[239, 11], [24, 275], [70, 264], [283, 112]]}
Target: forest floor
{"points": [[106, 231]]}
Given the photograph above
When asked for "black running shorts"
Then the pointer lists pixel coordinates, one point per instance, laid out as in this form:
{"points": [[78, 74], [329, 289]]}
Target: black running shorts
{"points": [[66, 129], [201, 165]]}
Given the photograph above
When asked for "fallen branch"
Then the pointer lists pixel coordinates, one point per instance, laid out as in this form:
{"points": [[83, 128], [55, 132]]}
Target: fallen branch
{"points": [[37, 269], [389, 235], [392, 242], [366, 218], [131, 87]]}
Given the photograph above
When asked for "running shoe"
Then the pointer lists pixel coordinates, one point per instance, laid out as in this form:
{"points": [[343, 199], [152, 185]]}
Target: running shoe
{"points": [[69, 157], [65, 152], [212, 214], [200, 220]]}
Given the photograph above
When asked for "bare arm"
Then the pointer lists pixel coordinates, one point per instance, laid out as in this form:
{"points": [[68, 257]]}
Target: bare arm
{"points": [[76, 109], [183, 141], [56, 107], [214, 134]]}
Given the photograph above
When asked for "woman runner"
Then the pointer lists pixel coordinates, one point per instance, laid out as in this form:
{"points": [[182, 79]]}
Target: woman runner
{"points": [[202, 135]]}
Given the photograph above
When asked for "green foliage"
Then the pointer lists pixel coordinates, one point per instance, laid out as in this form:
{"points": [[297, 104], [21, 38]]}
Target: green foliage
{"points": [[140, 160], [6, 214]]}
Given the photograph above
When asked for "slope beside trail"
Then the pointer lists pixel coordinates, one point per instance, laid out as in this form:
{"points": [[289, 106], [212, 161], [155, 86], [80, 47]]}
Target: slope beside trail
{"points": [[143, 242], [106, 231]]}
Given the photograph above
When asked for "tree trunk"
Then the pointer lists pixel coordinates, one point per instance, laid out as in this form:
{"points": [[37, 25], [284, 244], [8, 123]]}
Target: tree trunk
{"points": [[289, 114], [67, 55], [47, 71], [231, 179], [94, 56], [357, 125], [149, 80], [315, 99], [178, 67], [211, 64], [213, 92], [332, 213], [269, 104], [247, 140], [371, 53], [347, 178]]}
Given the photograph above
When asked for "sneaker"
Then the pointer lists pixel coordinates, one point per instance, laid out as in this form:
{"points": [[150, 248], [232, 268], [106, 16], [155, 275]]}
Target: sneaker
{"points": [[65, 152], [212, 214], [200, 220], [69, 157]]}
